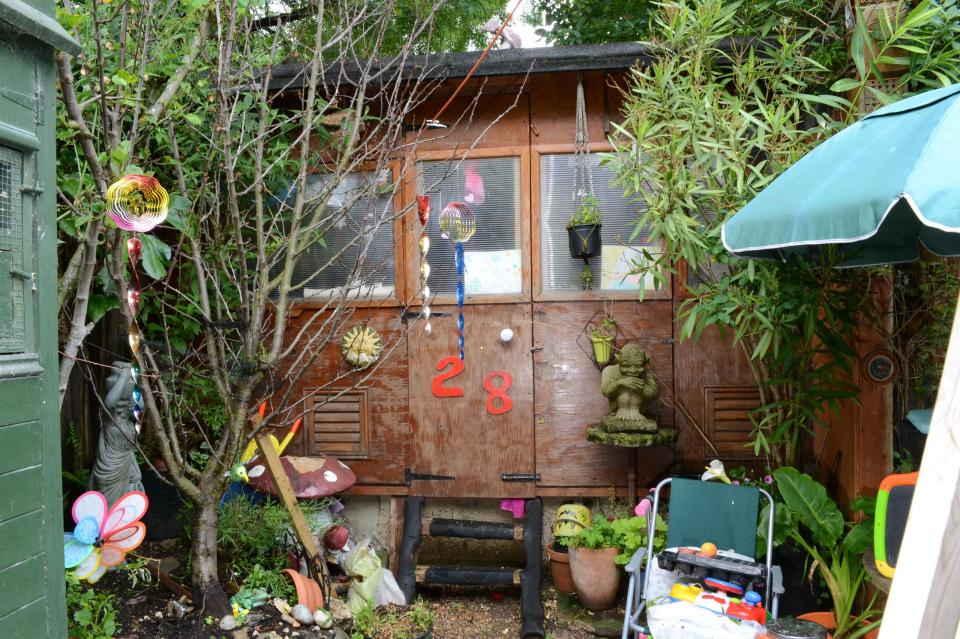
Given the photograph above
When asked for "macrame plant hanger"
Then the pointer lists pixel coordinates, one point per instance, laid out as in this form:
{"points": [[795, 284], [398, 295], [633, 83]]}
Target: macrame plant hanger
{"points": [[583, 177]]}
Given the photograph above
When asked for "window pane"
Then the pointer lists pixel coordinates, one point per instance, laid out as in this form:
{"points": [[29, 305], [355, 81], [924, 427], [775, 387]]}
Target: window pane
{"points": [[491, 189], [12, 309], [357, 250], [559, 271]]}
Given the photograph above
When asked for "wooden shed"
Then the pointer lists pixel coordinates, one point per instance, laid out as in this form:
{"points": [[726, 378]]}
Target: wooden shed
{"points": [[31, 559], [510, 151]]}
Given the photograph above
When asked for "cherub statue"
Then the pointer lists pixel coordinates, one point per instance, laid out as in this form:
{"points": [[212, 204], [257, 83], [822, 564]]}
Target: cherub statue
{"points": [[630, 387], [116, 471]]}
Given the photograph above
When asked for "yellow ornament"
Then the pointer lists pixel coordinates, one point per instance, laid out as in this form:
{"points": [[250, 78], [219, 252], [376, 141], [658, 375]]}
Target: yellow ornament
{"points": [[361, 346], [571, 519]]}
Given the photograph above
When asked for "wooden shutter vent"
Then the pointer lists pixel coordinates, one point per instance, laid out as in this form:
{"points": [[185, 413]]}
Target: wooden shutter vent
{"points": [[727, 419], [337, 423]]}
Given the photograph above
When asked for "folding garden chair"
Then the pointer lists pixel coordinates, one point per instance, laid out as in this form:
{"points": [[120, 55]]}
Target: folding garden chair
{"points": [[699, 512]]}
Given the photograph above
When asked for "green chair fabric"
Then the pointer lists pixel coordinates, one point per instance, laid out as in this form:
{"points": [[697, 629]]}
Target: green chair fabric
{"points": [[701, 511]]}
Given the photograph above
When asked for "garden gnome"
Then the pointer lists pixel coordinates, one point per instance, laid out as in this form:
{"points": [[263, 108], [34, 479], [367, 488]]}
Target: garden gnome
{"points": [[630, 387], [116, 471]]}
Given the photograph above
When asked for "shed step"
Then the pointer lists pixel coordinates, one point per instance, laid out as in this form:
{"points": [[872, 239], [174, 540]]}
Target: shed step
{"points": [[468, 575], [471, 529]]}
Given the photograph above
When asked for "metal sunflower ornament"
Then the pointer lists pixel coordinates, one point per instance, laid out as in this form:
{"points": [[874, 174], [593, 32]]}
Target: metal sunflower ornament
{"points": [[361, 346]]}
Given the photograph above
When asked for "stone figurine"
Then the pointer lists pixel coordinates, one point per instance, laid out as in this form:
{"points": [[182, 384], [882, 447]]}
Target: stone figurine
{"points": [[116, 471], [630, 387]]}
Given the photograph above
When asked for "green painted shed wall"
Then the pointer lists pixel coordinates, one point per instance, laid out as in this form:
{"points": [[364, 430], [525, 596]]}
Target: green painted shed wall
{"points": [[31, 543]]}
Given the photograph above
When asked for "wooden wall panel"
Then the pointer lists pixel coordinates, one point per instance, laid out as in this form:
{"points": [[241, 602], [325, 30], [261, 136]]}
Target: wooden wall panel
{"points": [[386, 392], [567, 391], [711, 362], [552, 112], [471, 117], [457, 436]]}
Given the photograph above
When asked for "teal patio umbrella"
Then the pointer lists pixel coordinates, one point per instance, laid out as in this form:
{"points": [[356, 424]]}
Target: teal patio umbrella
{"points": [[876, 190]]}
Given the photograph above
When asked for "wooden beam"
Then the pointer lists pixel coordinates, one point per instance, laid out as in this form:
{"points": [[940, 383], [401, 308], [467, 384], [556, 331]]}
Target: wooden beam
{"points": [[315, 561], [923, 598]]}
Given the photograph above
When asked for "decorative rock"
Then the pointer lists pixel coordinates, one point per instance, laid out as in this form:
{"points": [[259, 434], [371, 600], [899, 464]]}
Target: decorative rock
{"points": [[340, 634], [302, 614], [323, 618], [169, 564], [228, 623], [340, 611], [242, 633]]}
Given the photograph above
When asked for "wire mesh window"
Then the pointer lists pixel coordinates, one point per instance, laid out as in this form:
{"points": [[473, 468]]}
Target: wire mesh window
{"points": [[354, 253], [620, 253], [12, 272], [490, 187]]}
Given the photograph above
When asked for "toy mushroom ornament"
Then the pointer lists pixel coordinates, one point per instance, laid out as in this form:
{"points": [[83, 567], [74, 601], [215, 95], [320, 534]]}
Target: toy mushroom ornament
{"points": [[361, 346]]}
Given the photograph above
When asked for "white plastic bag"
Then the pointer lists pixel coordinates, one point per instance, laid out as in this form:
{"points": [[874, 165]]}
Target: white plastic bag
{"points": [[682, 620], [388, 592], [365, 571]]}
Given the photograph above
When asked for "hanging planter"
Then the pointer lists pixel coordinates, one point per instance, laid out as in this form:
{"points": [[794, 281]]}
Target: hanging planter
{"points": [[602, 348], [583, 229], [584, 241]]}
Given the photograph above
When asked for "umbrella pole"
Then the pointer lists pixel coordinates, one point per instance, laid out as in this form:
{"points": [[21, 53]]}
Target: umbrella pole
{"points": [[315, 563]]}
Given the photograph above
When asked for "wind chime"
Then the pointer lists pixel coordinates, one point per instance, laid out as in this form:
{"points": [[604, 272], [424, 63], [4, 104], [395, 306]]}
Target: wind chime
{"points": [[136, 203], [423, 212], [458, 224]]}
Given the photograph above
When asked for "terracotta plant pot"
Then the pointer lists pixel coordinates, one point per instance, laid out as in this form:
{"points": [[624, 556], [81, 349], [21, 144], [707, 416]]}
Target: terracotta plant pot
{"points": [[595, 576], [560, 569], [828, 621]]}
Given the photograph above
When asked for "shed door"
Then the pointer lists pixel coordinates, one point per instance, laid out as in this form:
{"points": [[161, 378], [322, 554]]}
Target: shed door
{"points": [[483, 454]]}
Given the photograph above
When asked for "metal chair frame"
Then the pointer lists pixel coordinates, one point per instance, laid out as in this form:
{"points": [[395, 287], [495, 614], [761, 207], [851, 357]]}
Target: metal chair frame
{"points": [[637, 599]]}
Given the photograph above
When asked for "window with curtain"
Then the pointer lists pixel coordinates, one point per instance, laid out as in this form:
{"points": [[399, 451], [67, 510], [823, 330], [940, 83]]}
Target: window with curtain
{"points": [[354, 253], [611, 268], [490, 187]]}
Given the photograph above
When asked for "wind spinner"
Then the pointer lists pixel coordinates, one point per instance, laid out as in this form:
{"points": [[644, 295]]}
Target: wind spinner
{"points": [[102, 538], [458, 224], [423, 212], [136, 203]]}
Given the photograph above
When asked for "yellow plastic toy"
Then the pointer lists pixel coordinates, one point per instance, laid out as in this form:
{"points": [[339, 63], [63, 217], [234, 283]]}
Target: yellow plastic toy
{"points": [[251, 450], [571, 519], [686, 592]]}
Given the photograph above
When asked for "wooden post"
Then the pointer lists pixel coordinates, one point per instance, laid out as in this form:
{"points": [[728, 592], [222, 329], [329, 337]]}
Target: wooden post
{"points": [[923, 598], [272, 461]]}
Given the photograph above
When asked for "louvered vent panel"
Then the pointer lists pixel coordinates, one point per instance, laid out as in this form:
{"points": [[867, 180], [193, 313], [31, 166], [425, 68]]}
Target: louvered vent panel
{"points": [[338, 424], [727, 419]]}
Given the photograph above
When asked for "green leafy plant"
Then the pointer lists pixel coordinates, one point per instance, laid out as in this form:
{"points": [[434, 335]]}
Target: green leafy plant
{"points": [[392, 621], [699, 141], [90, 613], [813, 521], [627, 534], [587, 213]]}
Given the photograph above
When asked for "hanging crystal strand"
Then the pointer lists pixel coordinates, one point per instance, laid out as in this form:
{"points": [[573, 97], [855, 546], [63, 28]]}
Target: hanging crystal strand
{"points": [[134, 247], [459, 252], [423, 212]]}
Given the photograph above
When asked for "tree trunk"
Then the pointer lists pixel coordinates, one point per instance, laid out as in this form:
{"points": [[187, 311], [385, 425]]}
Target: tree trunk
{"points": [[207, 591]]}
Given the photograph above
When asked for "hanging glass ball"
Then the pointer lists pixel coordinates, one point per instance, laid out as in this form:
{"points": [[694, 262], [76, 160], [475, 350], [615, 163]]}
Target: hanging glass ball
{"points": [[457, 222]]}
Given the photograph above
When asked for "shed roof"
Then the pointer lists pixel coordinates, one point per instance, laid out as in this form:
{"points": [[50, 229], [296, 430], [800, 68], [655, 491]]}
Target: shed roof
{"points": [[621, 55]]}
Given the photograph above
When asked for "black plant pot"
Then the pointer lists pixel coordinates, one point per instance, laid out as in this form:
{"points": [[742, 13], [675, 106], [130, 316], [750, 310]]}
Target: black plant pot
{"points": [[584, 241], [164, 517]]}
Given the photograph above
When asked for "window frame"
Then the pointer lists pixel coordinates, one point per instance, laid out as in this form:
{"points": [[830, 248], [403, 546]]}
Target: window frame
{"points": [[399, 294], [411, 232], [541, 295]]}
